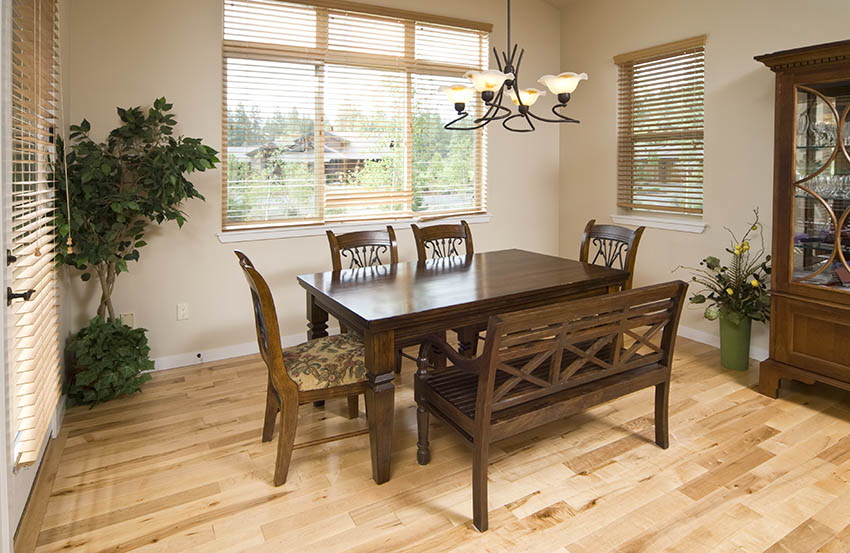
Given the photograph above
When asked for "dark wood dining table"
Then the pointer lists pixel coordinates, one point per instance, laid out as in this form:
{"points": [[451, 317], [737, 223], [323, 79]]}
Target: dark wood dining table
{"points": [[395, 305]]}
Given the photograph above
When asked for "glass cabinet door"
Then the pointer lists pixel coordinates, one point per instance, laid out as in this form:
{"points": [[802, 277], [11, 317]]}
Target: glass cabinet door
{"points": [[821, 208]]}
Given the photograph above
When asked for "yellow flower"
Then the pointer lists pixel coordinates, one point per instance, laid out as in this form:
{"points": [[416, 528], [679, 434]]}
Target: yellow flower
{"points": [[755, 227], [729, 291], [754, 283], [737, 250], [745, 246]]}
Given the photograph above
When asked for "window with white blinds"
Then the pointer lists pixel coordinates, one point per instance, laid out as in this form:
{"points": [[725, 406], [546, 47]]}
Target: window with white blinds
{"points": [[333, 112], [660, 157], [33, 325]]}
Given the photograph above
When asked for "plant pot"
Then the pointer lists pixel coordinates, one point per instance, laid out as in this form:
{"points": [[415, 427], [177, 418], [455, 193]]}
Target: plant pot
{"points": [[735, 342]]}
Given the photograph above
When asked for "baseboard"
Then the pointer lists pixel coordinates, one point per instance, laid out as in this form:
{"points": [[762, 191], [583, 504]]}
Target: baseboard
{"points": [[226, 352], [757, 353], [248, 348]]}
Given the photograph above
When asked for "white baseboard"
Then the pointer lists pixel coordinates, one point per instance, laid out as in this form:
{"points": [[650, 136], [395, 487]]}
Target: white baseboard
{"points": [[248, 348], [757, 353], [226, 352]]}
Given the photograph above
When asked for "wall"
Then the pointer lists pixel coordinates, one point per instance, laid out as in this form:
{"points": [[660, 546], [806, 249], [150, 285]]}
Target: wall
{"points": [[738, 120], [126, 53]]}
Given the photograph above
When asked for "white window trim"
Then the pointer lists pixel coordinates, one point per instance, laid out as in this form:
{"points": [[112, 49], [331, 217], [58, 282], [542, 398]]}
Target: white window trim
{"points": [[252, 235], [664, 223]]}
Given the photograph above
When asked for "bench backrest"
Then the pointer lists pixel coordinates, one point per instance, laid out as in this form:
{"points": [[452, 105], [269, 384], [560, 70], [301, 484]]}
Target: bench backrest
{"points": [[537, 352]]}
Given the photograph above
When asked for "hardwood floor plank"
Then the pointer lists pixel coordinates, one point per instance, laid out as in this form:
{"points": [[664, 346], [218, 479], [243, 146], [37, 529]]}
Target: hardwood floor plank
{"points": [[181, 468]]}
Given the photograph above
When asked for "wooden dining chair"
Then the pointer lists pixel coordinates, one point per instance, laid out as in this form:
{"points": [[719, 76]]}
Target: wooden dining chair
{"points": [[366, 248], [616, 247], [543, 364], [438, 241], [320, 369]]}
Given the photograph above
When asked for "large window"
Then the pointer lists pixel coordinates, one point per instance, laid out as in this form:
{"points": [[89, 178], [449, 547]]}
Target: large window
{"points": [[335, 115], [661, 94], [33, 325]]}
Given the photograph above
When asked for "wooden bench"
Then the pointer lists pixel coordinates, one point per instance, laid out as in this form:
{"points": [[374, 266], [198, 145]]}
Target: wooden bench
{"points": [[541, 365]]}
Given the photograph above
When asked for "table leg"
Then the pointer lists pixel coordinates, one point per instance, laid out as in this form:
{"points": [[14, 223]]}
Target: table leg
{"points": [[317, 326], [317, 319], [467, 341], [380, 397]]}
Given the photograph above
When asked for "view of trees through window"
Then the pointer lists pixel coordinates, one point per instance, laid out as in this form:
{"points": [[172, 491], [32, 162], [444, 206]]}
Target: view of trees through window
{"points": [[335, 116]]}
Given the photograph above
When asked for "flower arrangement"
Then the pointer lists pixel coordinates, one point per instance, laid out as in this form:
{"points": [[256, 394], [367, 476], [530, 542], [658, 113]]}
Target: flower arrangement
{"points": [[737, 291]]}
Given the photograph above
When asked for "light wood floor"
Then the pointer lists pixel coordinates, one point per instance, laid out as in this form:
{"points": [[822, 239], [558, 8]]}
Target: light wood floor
{"points": [[180, 468]]}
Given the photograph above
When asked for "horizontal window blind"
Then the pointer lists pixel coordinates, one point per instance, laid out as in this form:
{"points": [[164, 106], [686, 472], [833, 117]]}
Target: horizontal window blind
{"points": [[34, 357], [661, 98], [332, 114]]}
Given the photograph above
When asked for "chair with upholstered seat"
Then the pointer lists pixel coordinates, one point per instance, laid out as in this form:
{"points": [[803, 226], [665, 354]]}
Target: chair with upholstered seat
{"points": [[616, 247], [320, 369]]}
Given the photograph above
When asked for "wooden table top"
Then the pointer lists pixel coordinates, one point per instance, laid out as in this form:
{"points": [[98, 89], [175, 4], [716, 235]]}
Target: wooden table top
{"points": [[388, 293]]}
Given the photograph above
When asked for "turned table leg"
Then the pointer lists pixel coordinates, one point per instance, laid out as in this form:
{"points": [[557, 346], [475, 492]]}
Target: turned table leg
{"points": [[317, 326]]}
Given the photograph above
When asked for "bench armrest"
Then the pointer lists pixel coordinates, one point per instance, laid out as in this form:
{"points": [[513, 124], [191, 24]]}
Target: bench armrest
{"points": [[435, 343]]}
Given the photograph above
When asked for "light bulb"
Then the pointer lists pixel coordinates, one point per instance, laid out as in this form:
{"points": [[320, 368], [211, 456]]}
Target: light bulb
{"points": [[486, 80], [527, 95], [458, 93], [565, 83]]}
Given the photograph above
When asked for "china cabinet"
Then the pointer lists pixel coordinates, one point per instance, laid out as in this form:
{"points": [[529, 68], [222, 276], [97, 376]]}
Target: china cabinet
{"points": [[810, 314]]}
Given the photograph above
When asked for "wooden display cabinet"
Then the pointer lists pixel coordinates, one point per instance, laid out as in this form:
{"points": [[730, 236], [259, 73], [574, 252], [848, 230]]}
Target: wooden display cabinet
{"points": [[810, 314]]}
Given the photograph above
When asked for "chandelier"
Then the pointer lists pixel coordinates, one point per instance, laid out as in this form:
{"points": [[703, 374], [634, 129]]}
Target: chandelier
{"points": [[493, 85]]}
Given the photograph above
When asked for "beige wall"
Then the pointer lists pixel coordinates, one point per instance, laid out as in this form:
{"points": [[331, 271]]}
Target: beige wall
{"points": [[125, 52], [738, 108]]}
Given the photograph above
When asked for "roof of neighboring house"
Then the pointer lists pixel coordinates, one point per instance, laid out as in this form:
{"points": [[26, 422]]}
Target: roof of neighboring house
{"points": [[338, 146]]}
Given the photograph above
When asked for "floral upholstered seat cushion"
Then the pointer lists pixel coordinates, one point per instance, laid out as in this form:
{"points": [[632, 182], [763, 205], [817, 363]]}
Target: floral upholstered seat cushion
{"points": [[326, 362]]}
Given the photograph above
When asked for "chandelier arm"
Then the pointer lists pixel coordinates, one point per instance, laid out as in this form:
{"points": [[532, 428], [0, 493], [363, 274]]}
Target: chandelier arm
{"points": [[560, 118], [514, 129], [487, 117], [449, 126], [498, 61]]}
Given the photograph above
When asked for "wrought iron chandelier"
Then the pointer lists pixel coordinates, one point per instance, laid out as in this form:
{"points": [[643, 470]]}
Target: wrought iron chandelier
{"points": [[493, 85]]}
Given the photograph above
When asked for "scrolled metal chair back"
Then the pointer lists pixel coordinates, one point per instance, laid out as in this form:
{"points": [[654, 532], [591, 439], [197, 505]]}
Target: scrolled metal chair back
{"points": [[441, 241], [363, 249], [614, 247]]}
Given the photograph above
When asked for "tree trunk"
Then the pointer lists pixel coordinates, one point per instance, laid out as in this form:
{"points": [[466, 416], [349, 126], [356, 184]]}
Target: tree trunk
{"points": [[106, 274]]}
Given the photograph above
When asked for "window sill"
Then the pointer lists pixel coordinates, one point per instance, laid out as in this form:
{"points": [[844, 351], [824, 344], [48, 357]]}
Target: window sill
{"points": [[660, 223], [232, 236]]}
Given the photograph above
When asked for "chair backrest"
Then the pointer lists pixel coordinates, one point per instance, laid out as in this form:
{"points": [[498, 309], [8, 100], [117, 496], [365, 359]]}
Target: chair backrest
{"points": [[615, 247], [537, 352], [363, 249], [265, 319], [439, 241]]}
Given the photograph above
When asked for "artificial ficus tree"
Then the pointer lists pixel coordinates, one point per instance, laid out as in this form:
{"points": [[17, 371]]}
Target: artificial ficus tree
{"points": [[107, 193]]}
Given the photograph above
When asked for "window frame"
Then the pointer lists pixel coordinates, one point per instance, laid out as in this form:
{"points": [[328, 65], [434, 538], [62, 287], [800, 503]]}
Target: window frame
{"points": [[322, 56], [688, 183]]}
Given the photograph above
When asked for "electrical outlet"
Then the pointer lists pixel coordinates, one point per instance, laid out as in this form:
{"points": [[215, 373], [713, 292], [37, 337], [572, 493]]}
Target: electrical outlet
{"points": [[128, 319], [182, 311]]}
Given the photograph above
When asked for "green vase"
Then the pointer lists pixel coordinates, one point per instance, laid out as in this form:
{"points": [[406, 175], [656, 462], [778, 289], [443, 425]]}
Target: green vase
{"points": [[735, 342]]}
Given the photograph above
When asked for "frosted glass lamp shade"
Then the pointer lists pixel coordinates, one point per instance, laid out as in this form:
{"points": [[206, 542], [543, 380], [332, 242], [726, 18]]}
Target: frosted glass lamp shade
{"points": [[527, 95], [565, 83], [491, 80], [458, 93]]}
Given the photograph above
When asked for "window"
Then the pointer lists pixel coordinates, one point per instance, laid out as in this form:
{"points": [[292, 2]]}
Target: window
{"points": [[34, 324], [660, 153], [335, 114]]}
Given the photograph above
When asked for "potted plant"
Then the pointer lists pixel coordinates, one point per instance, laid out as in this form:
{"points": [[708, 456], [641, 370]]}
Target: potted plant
{"points": [[736, 294], [107, 194]]}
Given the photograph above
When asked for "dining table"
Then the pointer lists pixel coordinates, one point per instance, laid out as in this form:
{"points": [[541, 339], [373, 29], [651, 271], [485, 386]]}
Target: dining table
{"points": [[397, 305]]}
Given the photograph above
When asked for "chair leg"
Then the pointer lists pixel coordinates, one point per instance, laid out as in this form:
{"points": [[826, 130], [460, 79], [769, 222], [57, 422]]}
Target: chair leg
{"points": [[286, 439], [423, 451], [353, 406], [662, 399], [479, 486], [272, 407], [398, 359]]}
